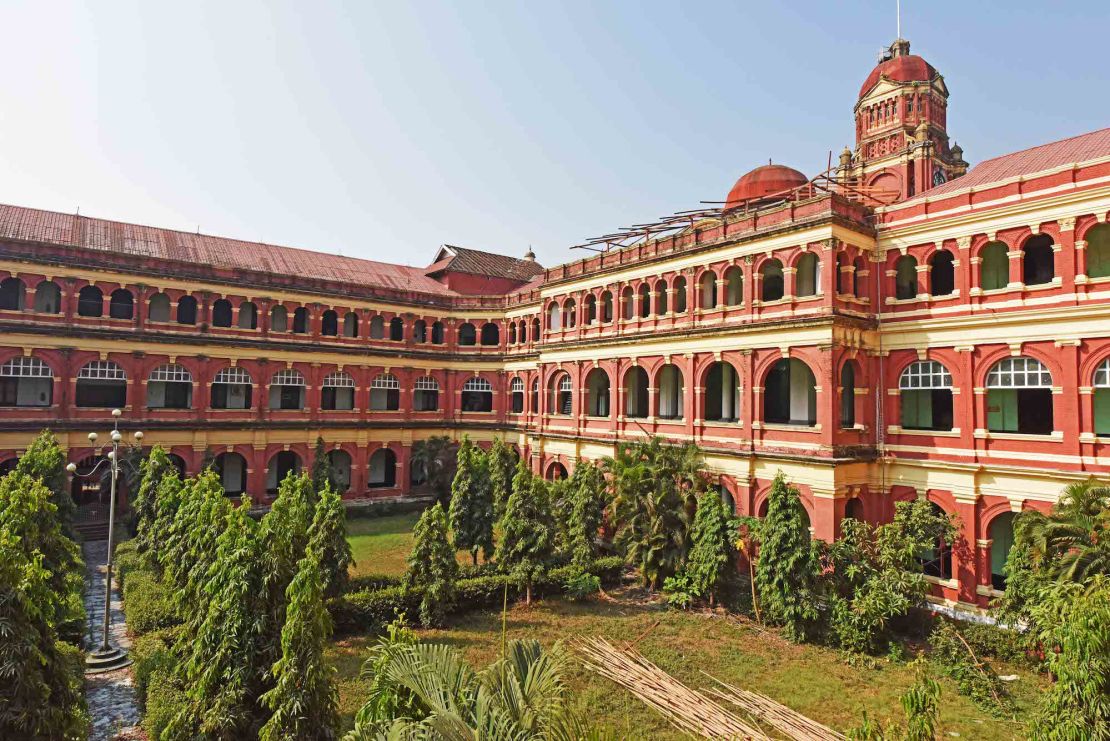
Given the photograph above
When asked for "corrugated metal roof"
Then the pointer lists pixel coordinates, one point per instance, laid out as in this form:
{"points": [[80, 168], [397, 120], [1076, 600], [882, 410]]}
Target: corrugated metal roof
{"points": [[477, 262]]}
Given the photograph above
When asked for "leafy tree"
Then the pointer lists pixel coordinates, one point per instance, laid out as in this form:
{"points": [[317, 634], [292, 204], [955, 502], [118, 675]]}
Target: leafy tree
{"points": [[285, 533], [155, 467], [786, 572], [435, 457], [471, 510], [527, 535], [321, 468], [328, 537], [713, 536], [167, 499], [303, 699], [189, 548], [386, 699], [45, 461], [588, 500], [502, 462], [432, 566]]}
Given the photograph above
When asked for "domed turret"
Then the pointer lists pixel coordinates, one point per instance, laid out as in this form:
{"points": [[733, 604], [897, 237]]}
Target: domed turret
{"points": [[898, 65], [763, 182]]}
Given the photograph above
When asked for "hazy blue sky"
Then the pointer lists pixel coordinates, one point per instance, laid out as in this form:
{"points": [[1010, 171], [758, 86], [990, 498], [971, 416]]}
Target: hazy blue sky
{"points": [[382, 129]]}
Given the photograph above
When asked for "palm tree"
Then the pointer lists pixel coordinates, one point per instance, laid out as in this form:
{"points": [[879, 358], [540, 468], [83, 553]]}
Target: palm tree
{"points": [[435, 456], [1072, 542]]}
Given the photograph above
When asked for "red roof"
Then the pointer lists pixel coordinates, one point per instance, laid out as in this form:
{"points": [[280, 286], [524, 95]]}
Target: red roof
{"points": [[764, 181], [478, 262], [1082, 148], [905, 68], [69, 230]]}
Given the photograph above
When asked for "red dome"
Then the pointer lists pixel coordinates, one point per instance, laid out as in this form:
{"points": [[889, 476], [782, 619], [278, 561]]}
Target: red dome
{"points": [[905, 68], [764, 181]]}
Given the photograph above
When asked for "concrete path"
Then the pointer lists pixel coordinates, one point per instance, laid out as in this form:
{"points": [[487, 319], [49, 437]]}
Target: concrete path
{"points": [[111, 695]]}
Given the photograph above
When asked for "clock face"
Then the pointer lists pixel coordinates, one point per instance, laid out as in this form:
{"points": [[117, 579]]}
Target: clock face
{"points": [[938, 176]]}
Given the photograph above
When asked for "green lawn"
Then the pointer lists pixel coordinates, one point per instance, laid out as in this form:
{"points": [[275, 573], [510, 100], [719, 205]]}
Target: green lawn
{"points": [[813, 680]]}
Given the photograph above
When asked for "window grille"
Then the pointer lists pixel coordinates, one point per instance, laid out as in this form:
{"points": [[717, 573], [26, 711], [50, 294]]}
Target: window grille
{"points": [[426, 383], [339, 380], [925, 374], [287, 377], [1019, 373], [233, 375], [565, 385], [1102, 374], [102, 370], [517, 386], [171, 373], [478, 384], [24, 367], [385, 381]]}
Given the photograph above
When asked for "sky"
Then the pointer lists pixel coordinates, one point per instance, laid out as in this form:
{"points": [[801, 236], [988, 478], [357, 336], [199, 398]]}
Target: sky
{"points": [[383, 129]]}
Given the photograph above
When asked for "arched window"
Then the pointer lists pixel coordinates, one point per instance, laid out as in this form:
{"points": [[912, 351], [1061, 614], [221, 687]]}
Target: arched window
{"points": [[734, 286], [420, 331], [279, 319], [707, 290], [522, 331], [774, 287], [512, 333], [231, 389], [848, 396], [350, 324], [1019, 397], [556, 472], [1098, 251], [385, 393], [169, 387], [644, 293], [857, 278], [300, 320], [554, 317], [853, 510], [808, 278], [221, 313], [680, 295], [383, 469], [841, 268], [248, 316], [937, 561], [1102, 398], [606, 306], [994, 266], [662, 304], [790, 394], [337, 393], [90, 302], [597, 393], [377, 327], [636, 393], [287, 390], [426, 394], [48, 298], [570, 314], [396, 329], [186, 310], [628, 305], [437, 333], [671, 392], [589, 305], [158, 310], [534, 403], [26, 382], [284, 463], [232, 470], [477, 395], [491, 334], [339, 470], [561, 399], [467, 335], [722, 393], [1038, 263], [516, 390], [121, 305], [942, 274], [535, 330], [12, 294], [1001, 533], [329, 323], [905, 278], [101, 384], [925, 395]]}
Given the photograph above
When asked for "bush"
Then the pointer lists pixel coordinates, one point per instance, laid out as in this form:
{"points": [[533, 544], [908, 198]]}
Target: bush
{"points": [[974, 677], [152, 653], [164, 700], [147, 603], [372, 582], [581, 586], [125, 561]]}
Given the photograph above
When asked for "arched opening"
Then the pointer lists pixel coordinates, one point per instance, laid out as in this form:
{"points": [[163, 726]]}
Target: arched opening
{"points": [[512, 333], [337, 393], [158, 309], [790, 394], [662, 305], [248, 316], [554, 317], [420, 331], [937, 561], [570, 314], [925, 395], [534, 400], [339, 470], [774, 285], [1001, 533], [516, 392], [231, 389], [178, 463], [284, 463], [905, 278], [853, 510], [186, 310], [300, 320], [606, 306], [722, 393], [437, 333], [287, 390], [994, 266], [636, 393], [1101, 383], [857, 277], [48, 298], [90, 302], [671, 392], [121, 305], [101, 384], [396, 329], [279, 319], [560, 398], [91, 493], [491, 334], [628, 306], [1019, 397], [169, 387], [329, 323], [7, 466], [383, 469], [425, 396], [556, 472], [377, 327], [726, 498], [1038, 263], [232, 470], [589, 306], [385, 393], [418, 473], [808, 277], [221, 313], [467, 335], [1098, 251], [707, 290], [734, 286], [350, 325], [838, 277], [942, 274], [644, 293], [848, 396], [680, 295], [477, 395], [597, 393], [12, 294], [26, 382], [535, 330]]}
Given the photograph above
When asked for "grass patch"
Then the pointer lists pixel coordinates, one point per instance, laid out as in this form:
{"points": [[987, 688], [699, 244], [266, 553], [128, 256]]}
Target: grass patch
{"points": [[380, 545]]}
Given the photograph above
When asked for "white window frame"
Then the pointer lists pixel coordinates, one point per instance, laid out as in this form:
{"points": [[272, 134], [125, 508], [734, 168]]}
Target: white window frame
{"points": [[170, 373], [102, 370], [233, 376], [924, 374], [25, 367], [1019, 373]]}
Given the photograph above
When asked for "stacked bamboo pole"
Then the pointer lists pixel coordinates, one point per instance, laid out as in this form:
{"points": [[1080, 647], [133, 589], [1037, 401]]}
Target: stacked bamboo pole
{"points": [[789, 722]]}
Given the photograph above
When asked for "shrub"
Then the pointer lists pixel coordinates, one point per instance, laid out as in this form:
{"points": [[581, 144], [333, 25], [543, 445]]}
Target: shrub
{"points": [[371, 582], [582, 585], [974, 678], [152, 653], [165, 699], [147, 603], [125, 561]]}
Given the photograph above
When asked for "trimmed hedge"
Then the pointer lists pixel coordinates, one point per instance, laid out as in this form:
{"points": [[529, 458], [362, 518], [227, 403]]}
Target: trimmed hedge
{"points": [[125, 561], [371, 610], [147, 604], [373, 582]]}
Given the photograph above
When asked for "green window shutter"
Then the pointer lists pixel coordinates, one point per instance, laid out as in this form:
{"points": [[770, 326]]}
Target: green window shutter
{"points": [[917, 409], [1002, 410], [996, 267], [1102, 411]]}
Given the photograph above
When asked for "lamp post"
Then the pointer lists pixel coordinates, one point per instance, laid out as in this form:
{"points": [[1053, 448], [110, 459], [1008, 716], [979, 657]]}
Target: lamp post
{"points": [[107, 657]]}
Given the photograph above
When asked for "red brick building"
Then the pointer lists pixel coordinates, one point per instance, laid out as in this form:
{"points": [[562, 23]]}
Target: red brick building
{"points": [[897, 327]]}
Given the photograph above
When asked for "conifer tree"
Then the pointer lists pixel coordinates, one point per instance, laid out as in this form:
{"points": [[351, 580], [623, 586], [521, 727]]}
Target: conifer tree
{"points": [[303, 699], [527, 535], [432, 566], [328, 537], [471, 510], [321, 468], [713, 536], [189, 549], [155, 467], [787, 569], [45, 461], [285, 532], [588, 499], [165, 502], [502, 462]]}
